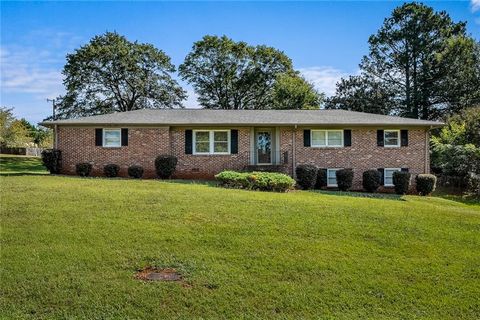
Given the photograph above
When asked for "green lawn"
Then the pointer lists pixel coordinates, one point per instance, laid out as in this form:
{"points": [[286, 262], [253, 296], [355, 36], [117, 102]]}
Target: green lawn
{"points": [[70, 248]]}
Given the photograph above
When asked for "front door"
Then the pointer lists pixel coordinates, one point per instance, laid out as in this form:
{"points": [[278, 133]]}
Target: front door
{"points": [[264, 146]]}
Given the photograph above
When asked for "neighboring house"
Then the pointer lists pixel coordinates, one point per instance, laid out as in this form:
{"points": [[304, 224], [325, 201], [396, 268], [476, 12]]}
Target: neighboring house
{"points": [[209, 141]]}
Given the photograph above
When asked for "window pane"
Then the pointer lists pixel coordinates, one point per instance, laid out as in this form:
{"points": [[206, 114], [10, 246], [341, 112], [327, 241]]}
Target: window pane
{"points": [[202, 146], [220, 136], [332, 177], [391, 138], [334, 138], [389, 176], [111, 138], [318, 138], [202, 141], [220, 147], [202, 136]]}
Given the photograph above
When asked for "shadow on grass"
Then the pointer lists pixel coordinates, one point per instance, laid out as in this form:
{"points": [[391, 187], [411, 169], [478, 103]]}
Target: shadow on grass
{"points": [[381, 196]]}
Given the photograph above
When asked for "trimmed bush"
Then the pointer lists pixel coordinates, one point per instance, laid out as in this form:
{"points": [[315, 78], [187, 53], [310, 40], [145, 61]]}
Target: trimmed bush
{"points": [[135, 171], [52, 160], [83, 169], [473, 184], [306, 176], [401, 181], [425, 183], [321, 179], [263, 181], [371, 180], [111, 170], [344, 179], [165, 166]]}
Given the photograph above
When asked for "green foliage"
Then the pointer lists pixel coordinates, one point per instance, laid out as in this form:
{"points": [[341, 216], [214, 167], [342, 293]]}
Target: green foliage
{"points": [[420, 64], [52, 160], [401, 182], [165, 165], [321, 179], [262, 181], [21, 133], [425, 183], [233, 75], [344, 179], [112, 74], [111, 170], [135, 171], [363, 94], [292, 91], [371, 180], [83, 169], [306, 176], [473, 184], [456, 149]]}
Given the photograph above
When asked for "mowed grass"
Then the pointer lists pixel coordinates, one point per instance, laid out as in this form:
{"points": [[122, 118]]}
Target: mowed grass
{"points": [[70, 248]]}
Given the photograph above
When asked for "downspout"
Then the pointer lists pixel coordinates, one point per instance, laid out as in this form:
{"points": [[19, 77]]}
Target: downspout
{"points": [[427, 150], [294, 134], [55, 137]]}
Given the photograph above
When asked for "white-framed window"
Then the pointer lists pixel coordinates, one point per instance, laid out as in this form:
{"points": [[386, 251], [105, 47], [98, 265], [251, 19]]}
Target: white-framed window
{"points": [[211, 142], [391, 138], [332, 177], [327, 138], [388, 176], [112, 138]]}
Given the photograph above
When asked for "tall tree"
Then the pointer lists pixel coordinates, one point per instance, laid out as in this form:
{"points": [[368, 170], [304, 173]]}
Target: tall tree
{"points": [[233, 75], [423, 55], [112, 74], [291, 91], [364, 94]]}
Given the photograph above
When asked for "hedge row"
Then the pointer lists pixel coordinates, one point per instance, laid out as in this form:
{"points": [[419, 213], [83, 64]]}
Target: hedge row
{"points": [[309, 177], [164, 166], [264, 181]]}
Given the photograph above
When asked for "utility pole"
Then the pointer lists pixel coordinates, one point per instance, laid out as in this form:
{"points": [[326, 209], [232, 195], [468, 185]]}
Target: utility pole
{"points": [[53, 107]]}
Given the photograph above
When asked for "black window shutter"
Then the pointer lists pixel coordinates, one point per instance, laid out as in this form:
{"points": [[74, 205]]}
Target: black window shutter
{"points": [[99, 137], [380, 142], [306, 138], [404, 169], [124, 137], [188, 142], [404, 138], [347, 138], [382, 176], [234, 141]]}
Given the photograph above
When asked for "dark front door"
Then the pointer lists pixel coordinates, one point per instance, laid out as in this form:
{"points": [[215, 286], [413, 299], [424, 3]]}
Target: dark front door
{"points": [[264, 146]]}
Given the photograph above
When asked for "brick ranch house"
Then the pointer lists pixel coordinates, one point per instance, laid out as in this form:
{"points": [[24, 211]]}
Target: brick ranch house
{"points": [[209, 141]]}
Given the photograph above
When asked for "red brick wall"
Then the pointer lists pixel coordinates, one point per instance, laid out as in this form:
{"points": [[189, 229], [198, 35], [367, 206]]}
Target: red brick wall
{"points": [[144, 144], [206, 166], [364, 153], [78, 145]]}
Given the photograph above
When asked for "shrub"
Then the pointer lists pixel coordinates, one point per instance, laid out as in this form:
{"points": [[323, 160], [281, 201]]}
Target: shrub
{"points": [[263, 181], [52, 160], [344, 179], [371, 180], [425, 183], [306, 175], [401, 181], [111, 170], [473, 184], [165, 166], [83, 169], [321, 179], [135, 171]]}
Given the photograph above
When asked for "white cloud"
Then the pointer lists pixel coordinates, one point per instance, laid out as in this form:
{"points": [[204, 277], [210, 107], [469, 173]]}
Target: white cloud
{"points": [[475, 4], [323, 78], [191, 101]]}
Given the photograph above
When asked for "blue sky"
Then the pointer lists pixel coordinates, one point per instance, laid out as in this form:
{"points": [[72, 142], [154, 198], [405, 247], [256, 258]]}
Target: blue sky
{"points": [[325, 40]]}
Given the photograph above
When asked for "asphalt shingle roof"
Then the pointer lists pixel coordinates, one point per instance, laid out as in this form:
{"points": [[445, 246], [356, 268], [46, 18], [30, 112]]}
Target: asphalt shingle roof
{"points": [[180, 117]]}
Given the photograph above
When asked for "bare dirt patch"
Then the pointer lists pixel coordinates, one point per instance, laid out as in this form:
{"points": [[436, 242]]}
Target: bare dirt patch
{"points": [[158, 274]]}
